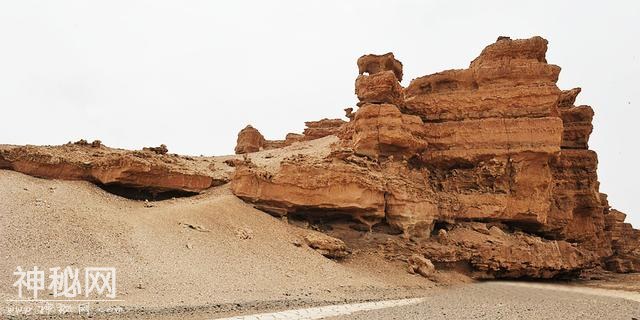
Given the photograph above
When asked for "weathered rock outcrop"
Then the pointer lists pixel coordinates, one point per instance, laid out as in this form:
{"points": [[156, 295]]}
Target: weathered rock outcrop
{"points": [[249, 140], [321, 128], [498, 142], [624, 243], [485, 169], [148, 171], [382, 130], [372, 64]]}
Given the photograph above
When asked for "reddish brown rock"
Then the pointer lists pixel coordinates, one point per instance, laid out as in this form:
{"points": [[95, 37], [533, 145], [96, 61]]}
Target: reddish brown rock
{"points": [[508, 254], [382, 130], [576, 121], [148, 171], [382, 87], [509, 79], [494, 159], [421, 265], [322, 128], [311, 185], [577, 127], [568, 97], [291, 138], [497, 142], [372, 64], [249, 140], [327, 246], [473, 139], [624, 243], [162, 149]]}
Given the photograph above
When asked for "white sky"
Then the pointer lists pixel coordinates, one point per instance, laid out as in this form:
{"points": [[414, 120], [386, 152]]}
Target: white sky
{"points": [[191, 74]]}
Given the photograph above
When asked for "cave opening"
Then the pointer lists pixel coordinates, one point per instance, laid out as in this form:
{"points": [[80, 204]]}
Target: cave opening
{"points": [[138, 193]]}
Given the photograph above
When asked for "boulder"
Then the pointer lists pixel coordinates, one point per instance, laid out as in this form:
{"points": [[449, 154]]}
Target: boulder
{"points": [[249, 140], [421, 265]]}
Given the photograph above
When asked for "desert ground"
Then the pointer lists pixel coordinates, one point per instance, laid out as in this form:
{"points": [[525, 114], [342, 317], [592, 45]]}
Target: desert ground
{"points": [[210, 251], [212, 256]]}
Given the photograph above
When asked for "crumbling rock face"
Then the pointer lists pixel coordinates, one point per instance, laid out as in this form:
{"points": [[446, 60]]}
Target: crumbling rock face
{"points": [[576, 120], [162, 149], [492, 160], [382, 130], [381, 87], [624, 243], [372, 64], [251, 140], [491, 252], [510, 79], [149, 171], [321, 186], [497, 143], [320, 129]]}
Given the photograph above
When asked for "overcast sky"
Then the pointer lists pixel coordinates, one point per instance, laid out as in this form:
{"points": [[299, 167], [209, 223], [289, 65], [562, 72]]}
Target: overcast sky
{"points": [[191, 74]]}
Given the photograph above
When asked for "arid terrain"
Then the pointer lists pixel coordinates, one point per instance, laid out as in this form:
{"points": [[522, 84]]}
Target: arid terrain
{"points": [[237, 256], [464, 176]]}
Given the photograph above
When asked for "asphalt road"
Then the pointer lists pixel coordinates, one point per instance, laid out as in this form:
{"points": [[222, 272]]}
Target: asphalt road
{"points": [[495, 300]]}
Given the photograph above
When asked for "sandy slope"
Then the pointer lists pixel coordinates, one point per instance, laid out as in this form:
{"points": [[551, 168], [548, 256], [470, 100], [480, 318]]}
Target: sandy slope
{"points": [[161, 262]]}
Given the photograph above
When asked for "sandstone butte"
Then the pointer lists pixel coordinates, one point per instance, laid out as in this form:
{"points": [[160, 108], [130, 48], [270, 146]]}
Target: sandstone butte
{"points": [[485, 170]]}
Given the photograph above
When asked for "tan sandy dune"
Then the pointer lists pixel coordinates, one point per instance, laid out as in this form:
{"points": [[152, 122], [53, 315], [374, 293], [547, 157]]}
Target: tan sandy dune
{"points": [[203, 250]]}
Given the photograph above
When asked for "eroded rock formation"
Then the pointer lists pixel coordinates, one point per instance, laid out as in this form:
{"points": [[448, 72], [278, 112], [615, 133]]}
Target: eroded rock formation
{"points": [[496, 143], [485, 170], [251, 140], [149, 171]]}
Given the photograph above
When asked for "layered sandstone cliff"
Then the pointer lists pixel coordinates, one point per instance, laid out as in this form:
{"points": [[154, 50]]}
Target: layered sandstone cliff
{"points": [[498, 143], [149, 173], [486, 170]]}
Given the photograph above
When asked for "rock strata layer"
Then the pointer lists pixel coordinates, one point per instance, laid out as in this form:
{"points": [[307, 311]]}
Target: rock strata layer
{"points": [[148, 171], [485, 170], [497, 143]]}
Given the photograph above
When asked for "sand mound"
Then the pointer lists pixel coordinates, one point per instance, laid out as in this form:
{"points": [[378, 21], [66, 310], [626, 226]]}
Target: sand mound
{"points": [[209, 249]]}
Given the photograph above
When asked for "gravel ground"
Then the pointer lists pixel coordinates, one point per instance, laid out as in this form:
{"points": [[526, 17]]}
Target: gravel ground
{"points": [[213, 256], [210, 252], [495, 300]]}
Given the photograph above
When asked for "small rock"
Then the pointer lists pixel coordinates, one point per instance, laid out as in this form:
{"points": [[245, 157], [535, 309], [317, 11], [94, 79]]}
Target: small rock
{"points": [[162, 149], [496, 231], [421, 265], [148, 204], [328, 246], [479, 227], [244, 233], [189, 246], [194, 227]]}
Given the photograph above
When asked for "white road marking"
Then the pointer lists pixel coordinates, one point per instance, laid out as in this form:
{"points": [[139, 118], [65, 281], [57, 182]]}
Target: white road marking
{"points": [[327, 311], [634, 296]]}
